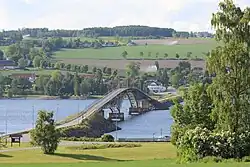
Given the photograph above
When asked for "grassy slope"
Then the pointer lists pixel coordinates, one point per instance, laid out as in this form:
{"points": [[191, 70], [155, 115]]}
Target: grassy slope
{"points": [[64, 155], [149, 155], [134, 51], [147, 163]]}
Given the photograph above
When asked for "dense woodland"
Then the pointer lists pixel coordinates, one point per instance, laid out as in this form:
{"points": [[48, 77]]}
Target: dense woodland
{"points": [[123, 31]]}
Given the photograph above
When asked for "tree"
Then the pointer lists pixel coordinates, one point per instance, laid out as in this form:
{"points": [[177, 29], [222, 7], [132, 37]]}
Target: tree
{"points": [[133, 69], [149, 54], [1, 55], [94, 70], [109, 71], [58, 65], [14, 86], [141, 54], [230, 62], [157, 54], [215, 118], [157, 65], [36, 61], [175, 80], [177, 55], [189, 54], [45, 133], [76, 85], [124, 54], [68, 67], [165, 55], [162, 75], [22, 63]]}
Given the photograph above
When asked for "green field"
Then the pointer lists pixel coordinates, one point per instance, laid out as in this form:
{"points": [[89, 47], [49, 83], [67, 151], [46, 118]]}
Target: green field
{"points": [[134, 52], [148, 155], [32, 71]]}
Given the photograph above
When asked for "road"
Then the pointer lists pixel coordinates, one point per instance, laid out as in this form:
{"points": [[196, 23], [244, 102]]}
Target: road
{"points": [[92, 109]]}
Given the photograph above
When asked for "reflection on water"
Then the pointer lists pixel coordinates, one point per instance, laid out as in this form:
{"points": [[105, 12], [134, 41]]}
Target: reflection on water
{"points": [[19, 115]]}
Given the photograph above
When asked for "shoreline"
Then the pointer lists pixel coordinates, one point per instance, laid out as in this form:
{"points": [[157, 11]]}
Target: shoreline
{"points": [[42, 97]]}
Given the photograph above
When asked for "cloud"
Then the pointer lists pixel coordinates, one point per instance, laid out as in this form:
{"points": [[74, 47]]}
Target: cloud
{"points": [[187, 15]]}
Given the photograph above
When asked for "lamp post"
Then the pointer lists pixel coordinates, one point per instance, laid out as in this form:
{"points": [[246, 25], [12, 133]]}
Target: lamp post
{"points": [[33, 116], [153, 137], [56, 111], [6, 122]]}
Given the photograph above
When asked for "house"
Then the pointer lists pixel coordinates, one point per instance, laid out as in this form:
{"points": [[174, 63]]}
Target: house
{"points": [[87, 75], [31, 76], [7, 64]]}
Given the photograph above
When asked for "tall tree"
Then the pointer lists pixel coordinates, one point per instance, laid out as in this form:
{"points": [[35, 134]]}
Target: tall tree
{"points": [[231, 64], [157, 65], [124, 54], [1, 55], [141, 54], [76, 85], [45, 133]]}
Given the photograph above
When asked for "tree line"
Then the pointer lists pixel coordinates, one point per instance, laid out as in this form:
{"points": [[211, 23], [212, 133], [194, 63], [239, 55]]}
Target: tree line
{"points": [[99, 83], [123, 31]]}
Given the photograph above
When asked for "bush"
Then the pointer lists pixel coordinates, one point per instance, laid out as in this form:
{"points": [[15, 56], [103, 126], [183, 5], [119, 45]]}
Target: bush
{"points": [[107, 138], [104, 146], [86, 139], [200, 143]]}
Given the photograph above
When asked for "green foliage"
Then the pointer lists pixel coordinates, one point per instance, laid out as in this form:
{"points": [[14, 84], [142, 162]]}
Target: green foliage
{"points": [[107, 138], [215, 119], [199, 143], [104, 146], [1, 55], [86, 139], [45, 133]]}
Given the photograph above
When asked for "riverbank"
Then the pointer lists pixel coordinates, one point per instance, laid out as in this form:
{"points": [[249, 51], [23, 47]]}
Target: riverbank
{"points": [[44, 97]]}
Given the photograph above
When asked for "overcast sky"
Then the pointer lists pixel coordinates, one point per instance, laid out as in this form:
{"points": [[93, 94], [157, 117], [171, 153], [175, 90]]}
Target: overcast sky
{"points": [[188, 15]]}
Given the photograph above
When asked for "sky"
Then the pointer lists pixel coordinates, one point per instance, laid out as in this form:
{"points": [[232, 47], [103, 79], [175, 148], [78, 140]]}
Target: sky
{"points": [[182, 15]]}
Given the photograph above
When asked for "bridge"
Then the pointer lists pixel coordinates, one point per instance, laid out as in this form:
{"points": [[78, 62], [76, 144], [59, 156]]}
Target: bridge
{"points": [[140, 103]]}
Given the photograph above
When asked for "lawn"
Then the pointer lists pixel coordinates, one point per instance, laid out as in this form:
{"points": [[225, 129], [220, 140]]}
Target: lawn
{"points": [[64, 155], [134, 52], [149, 155]]}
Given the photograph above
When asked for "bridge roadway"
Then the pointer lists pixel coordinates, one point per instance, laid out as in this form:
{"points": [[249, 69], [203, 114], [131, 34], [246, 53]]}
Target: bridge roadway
{"points": [[93, 108]]}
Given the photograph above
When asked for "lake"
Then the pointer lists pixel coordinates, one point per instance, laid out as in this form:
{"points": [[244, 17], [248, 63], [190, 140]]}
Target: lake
{"points": [[17, 115]]}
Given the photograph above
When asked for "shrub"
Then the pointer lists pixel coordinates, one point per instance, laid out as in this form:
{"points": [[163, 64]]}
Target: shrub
{"points": [[104, 146], [107, 138], [86, 139], [200, 143]]}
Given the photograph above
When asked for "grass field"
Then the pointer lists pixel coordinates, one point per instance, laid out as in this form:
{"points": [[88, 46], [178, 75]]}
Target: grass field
{"points": [[134, 52], [89, 56], [37, 72], [149, 155]]}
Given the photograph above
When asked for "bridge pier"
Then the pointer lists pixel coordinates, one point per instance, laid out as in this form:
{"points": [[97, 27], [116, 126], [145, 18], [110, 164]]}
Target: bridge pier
{"points": [[116, 114], [143, 106], [116, 117]]}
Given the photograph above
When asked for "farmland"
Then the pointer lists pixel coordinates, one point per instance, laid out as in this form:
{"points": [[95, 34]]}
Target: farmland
{"points": [[149, 51], [154, 50]]}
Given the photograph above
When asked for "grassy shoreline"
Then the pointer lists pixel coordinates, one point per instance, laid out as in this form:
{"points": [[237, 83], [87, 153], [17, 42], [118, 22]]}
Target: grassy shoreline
{"points": [[44, 97]]}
